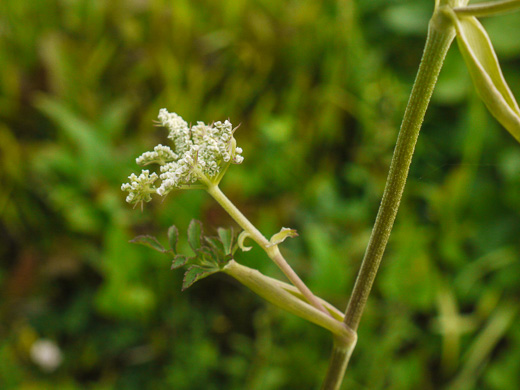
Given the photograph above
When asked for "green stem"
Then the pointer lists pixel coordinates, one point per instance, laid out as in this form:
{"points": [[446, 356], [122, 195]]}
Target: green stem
{"points": [[334, 312], [272, 251], [440, 36], [488, 9], [339, 359], [275, 293]]}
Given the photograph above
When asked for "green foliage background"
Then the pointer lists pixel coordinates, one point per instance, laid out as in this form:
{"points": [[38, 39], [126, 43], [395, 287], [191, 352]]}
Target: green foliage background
{"points": [[319, 89]]}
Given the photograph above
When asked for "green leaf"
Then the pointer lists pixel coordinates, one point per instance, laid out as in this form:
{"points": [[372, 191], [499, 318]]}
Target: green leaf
{"points": [[211, 253], [207, 256], [281, 236], [485, 71], [150, 242], [195, 234], [216, 244], [173, 237], [179, 261], [196, 273], [226, 237]]}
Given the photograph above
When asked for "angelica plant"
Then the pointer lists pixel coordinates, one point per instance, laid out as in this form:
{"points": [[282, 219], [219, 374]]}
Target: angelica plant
{"points": [[201, 154]]}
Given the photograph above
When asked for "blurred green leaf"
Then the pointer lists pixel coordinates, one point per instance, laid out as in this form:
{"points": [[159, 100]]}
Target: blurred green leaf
{"points": [[226, 238], [195, 234], [150, 242], [173, 237]]}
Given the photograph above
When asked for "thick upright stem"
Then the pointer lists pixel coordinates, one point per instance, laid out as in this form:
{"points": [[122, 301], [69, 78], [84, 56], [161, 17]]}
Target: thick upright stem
{"points": [[440, 36], [272, 251], [339, 359]]}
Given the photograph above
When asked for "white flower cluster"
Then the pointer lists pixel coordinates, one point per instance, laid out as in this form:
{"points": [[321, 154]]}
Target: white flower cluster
{"points": [[140, 187], [201, 154]]}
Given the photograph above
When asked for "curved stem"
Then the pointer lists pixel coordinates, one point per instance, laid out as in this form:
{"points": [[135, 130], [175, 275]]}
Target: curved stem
{"points": [[272, 251], [440, 36]]}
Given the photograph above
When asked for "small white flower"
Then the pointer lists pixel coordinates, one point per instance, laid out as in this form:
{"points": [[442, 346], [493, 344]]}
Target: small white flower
{"points": [[200, 153]]}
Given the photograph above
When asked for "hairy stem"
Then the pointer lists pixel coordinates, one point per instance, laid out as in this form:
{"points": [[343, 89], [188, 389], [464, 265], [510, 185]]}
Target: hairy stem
{"points": [[339, 359], [440, 36], [272, 251]]}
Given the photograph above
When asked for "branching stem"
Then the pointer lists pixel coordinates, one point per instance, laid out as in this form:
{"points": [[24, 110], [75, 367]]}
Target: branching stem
{"points": [[280, 294], [272, 251]]}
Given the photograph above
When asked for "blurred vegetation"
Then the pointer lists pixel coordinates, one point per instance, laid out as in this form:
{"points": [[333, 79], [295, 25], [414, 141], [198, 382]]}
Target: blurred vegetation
{"points": [[319, 89]]}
